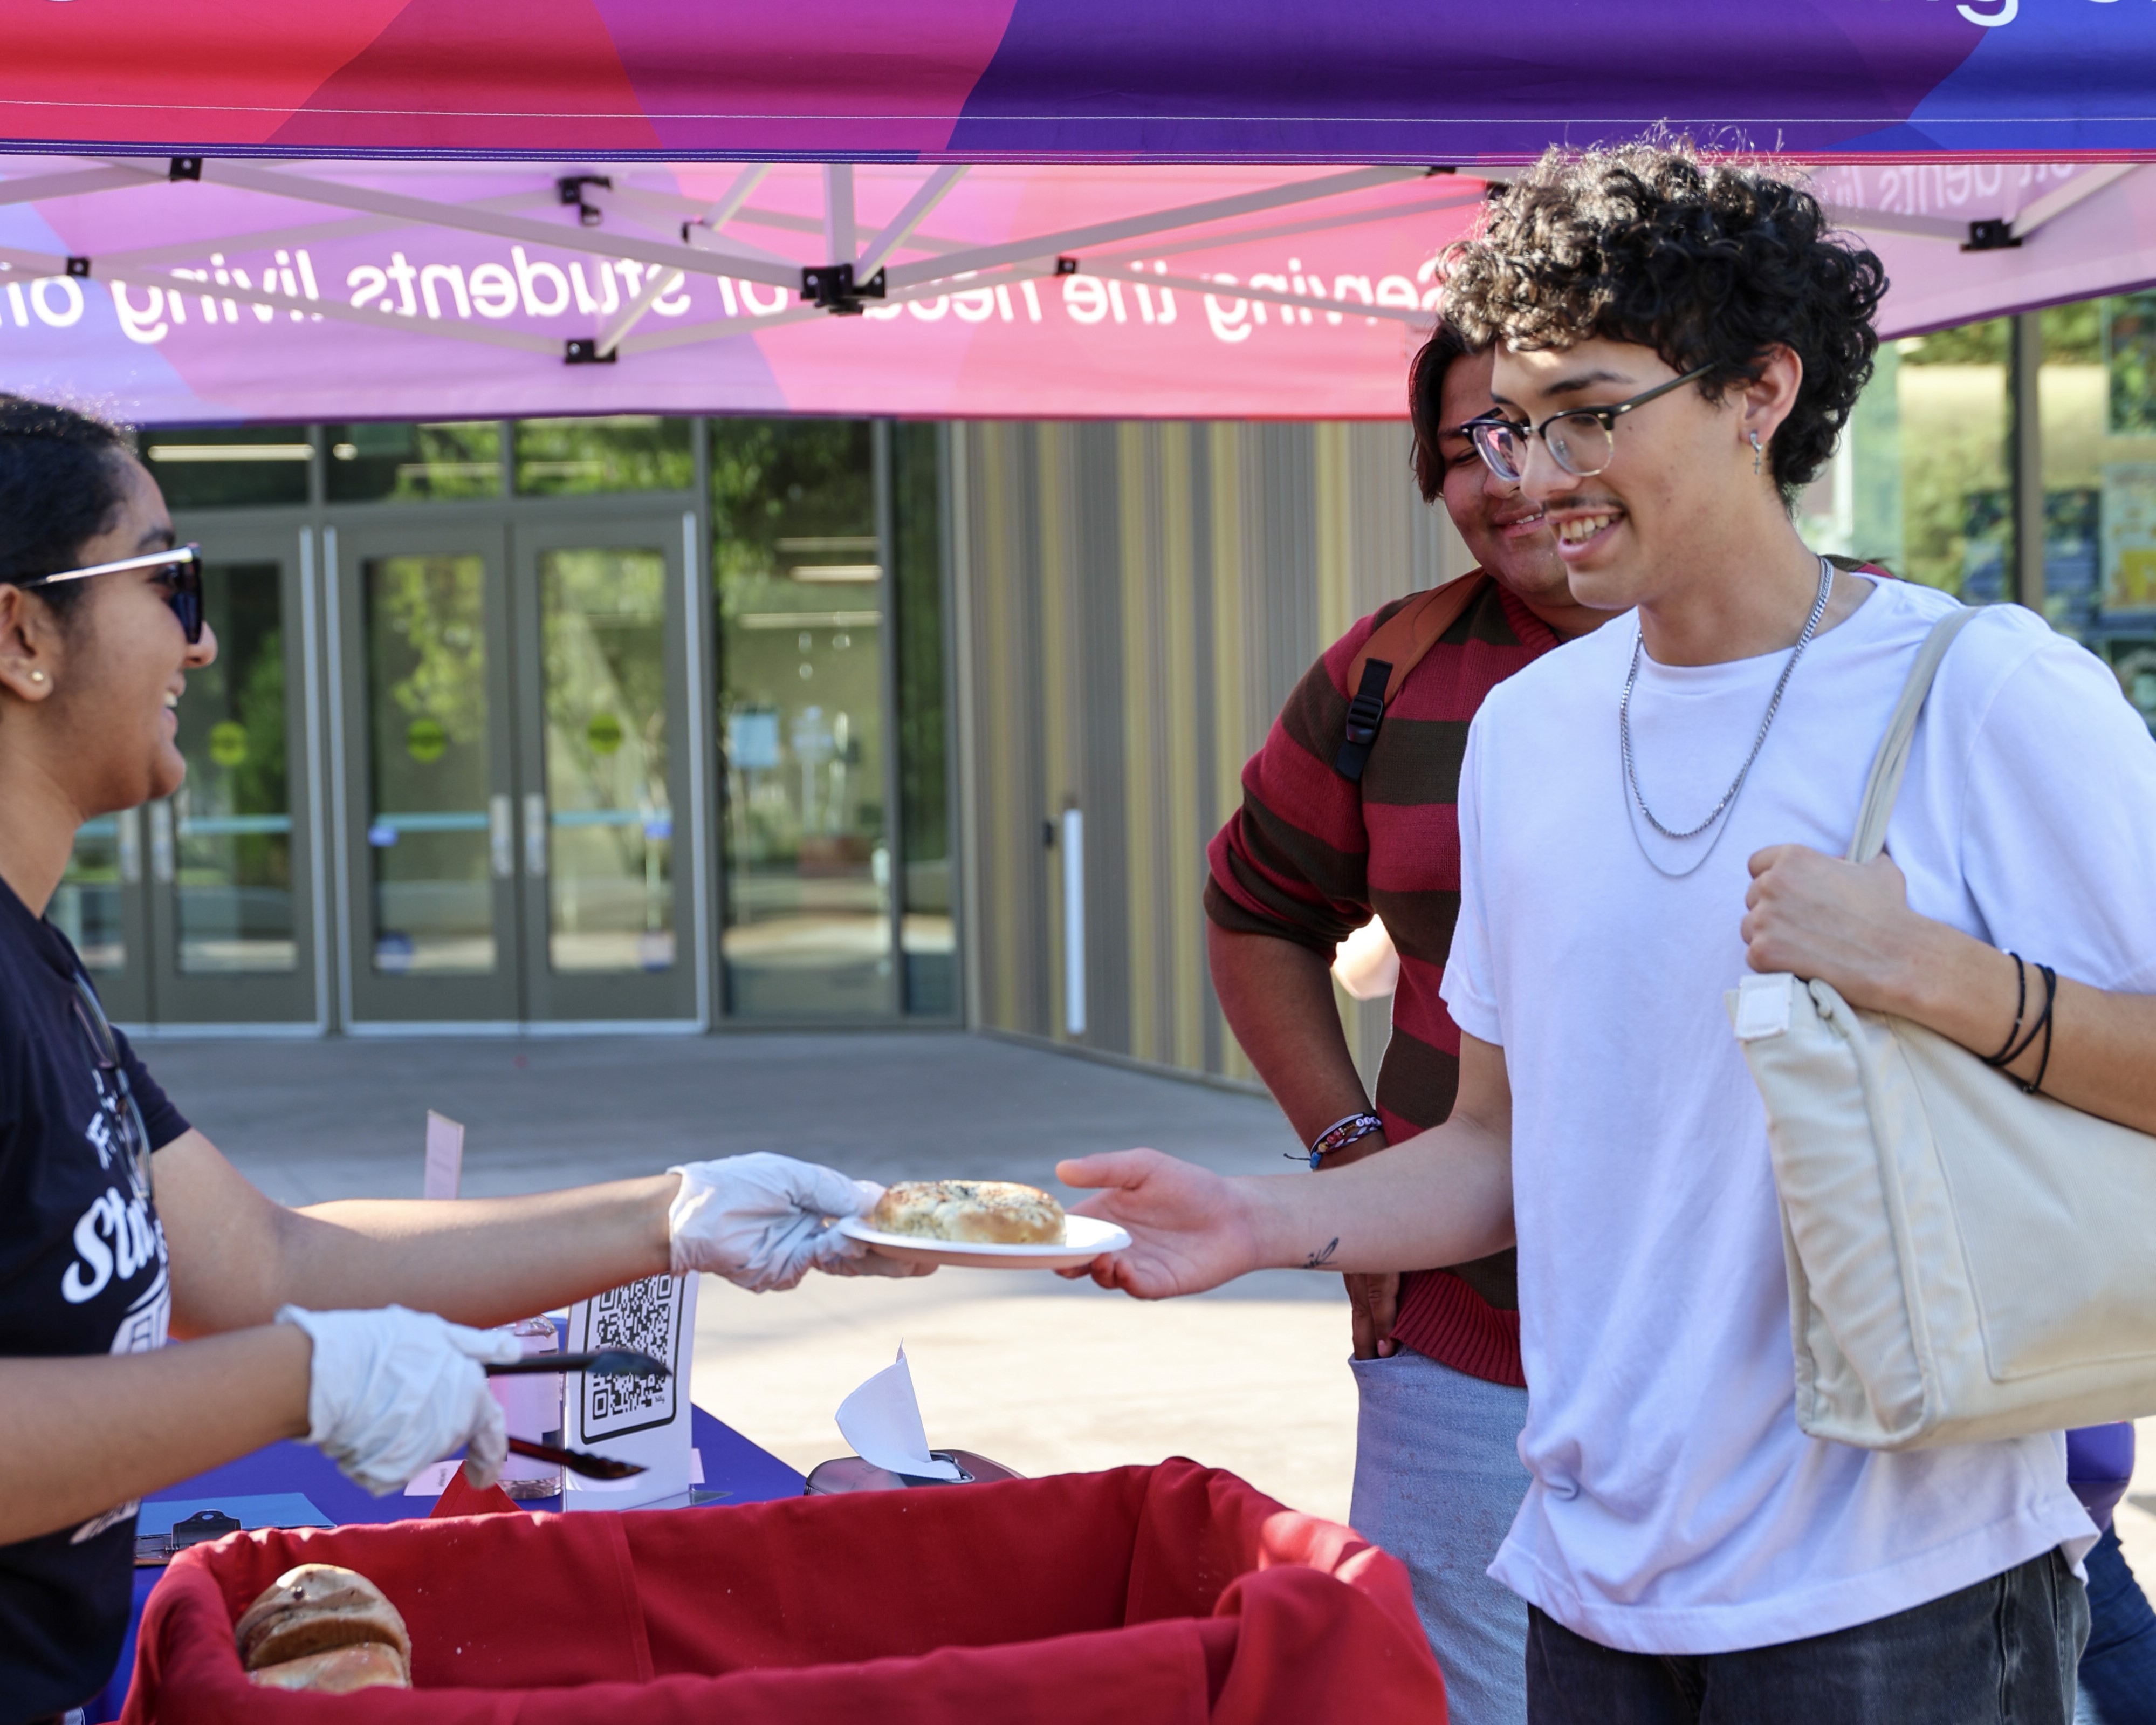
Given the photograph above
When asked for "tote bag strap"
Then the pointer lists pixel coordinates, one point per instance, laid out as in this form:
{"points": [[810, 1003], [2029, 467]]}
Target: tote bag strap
{"points": [[1892, 760]]}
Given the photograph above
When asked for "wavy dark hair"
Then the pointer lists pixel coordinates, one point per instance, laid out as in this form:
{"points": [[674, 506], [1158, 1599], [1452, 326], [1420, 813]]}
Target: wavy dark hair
{"points": [[1708, 263], [60, 486], [1426, 374]]}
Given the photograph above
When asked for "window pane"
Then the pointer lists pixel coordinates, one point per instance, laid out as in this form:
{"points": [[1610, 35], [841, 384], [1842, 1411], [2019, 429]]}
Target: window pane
{"points": [[624, 452], [229, 467], [610, 822], [415, 464], [1921, 482], [926, 933], [86, 907], [801, 608], [2097, 386], [429, 827], [235, 880]]}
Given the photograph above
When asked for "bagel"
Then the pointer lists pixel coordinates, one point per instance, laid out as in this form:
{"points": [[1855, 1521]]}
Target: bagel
{"points": [[980, 1212], [314, 1608], [364, 1665]]}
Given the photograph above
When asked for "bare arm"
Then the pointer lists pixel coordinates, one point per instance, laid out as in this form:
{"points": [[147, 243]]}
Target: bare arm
{"points": [[79, 1436], [1850, 924], [73, 1437], [237, 1256], [1277, 998], [1445, 1197]]}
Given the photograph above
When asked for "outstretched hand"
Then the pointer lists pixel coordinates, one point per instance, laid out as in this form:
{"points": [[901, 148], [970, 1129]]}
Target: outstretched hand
{"points": [[1190, 1229]]}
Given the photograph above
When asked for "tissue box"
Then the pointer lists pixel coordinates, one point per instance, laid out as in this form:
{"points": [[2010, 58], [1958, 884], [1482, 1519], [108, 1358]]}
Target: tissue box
{"points": [[1173, 1592]]}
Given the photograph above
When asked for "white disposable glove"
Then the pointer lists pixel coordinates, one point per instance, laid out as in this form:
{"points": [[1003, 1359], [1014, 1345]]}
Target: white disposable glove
{"points": [[393, 1390], [761, 1221]]}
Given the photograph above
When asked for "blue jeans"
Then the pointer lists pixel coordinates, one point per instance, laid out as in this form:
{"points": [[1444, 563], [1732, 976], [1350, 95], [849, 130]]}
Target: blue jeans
{"points": [[2002, 1652], [2118, 1668], [1438, 1479]]}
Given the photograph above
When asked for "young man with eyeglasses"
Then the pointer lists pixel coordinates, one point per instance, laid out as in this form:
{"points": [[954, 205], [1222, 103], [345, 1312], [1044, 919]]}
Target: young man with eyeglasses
{"points": [[1643, 813]]}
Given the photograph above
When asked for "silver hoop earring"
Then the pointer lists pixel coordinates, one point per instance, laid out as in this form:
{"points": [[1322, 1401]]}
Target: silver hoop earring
{"points": [[1756, 452]]}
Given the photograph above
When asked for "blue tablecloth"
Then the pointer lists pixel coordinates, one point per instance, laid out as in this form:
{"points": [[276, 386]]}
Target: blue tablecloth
{"points": [[733, 1466]]}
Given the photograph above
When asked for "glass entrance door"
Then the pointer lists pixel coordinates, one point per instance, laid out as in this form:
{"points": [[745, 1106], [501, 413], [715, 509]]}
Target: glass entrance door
{"points": [[513, 782], [609, 910], [231, 874], [201, 909], [429, 844]]}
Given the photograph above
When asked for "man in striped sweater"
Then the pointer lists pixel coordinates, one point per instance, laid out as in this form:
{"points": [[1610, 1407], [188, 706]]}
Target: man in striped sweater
{"points": [[1310, 857]]}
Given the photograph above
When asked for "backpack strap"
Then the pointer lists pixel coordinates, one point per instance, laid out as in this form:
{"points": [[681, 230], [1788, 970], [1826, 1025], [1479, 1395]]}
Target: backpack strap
{"points": [[1395, 648]]}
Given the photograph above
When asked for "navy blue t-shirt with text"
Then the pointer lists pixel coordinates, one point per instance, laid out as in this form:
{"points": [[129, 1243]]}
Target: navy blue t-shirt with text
{"points": [[82, 1272]]}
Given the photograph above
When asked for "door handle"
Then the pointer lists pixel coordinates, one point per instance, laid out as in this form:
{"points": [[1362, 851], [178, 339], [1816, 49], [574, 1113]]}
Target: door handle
{"points": [[535, 835], [500, 836], [131, 846], [161, 842]]}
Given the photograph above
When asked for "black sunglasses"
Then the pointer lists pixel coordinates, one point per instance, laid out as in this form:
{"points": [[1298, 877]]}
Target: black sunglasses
{"points": [[179, 568]]}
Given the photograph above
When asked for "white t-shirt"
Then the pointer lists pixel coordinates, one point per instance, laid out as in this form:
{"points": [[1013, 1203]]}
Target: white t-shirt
{"points": [[1675, 1507]]}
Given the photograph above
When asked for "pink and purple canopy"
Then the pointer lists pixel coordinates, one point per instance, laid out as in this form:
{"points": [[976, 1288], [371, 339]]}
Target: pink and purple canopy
{"points": [[1456, 81], [1113, 208]]}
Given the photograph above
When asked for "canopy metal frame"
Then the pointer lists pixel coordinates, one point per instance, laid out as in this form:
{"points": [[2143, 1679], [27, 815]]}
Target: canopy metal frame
{"points": [[585, 212], [896, 264]]}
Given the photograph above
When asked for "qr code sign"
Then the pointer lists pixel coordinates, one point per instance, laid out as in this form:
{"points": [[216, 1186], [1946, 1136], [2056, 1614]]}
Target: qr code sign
{"points": [[647, 1316]]}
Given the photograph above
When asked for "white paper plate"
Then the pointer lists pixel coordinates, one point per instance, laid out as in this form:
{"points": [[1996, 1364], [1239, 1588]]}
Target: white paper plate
{"points": [[1084, 1239]]}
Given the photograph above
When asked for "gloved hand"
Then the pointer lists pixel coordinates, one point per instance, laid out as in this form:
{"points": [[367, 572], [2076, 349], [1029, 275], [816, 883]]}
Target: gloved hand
{"points": [[760, 1221], [392, 1390]]}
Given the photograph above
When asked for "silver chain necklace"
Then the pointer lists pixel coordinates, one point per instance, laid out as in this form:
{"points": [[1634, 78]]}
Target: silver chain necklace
{"points": [[1773, 706]]}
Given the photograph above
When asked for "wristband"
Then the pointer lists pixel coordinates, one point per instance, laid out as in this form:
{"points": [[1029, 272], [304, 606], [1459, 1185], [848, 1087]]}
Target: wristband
{"points": [[1338, 1135]]}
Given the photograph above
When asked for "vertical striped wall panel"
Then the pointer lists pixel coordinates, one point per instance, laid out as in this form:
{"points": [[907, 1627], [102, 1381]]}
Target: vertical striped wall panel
{"points": [[1137, 600]]}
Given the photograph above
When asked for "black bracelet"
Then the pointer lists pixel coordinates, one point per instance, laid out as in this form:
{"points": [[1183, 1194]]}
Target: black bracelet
{"points": [[2050, 994], [2020, 1006]]}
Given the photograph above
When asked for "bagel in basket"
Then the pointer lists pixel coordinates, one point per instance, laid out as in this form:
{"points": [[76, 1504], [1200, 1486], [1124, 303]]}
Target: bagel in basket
{"points": [[327, 1629]]}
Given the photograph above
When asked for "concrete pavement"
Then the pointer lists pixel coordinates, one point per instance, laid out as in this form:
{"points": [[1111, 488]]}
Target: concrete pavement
{"points": [[1041, 1373]]}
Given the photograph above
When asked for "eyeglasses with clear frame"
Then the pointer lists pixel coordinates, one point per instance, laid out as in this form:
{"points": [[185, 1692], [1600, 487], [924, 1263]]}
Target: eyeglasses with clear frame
{"points": [[180, 569], [1583, 441]]}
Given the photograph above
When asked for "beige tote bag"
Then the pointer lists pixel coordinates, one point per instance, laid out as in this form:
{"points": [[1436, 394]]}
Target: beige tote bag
{"points": [[1966, 1261]]}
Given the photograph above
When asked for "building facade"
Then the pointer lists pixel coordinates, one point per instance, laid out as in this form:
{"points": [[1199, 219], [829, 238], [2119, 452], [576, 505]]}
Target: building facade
{"points": [[684, 725]]}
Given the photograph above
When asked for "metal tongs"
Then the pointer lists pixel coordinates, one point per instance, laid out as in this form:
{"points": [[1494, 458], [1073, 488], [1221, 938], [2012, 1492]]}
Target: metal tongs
{"points": [[604, 1362]]}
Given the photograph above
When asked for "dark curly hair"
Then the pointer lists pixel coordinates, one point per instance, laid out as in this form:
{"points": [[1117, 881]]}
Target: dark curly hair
{"points": [[60, 486], [1426, 375], [1708, 263]]}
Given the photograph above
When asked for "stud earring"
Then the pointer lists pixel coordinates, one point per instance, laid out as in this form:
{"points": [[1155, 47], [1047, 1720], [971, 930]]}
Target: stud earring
{"points": [[37, 676], [1756, 452]]}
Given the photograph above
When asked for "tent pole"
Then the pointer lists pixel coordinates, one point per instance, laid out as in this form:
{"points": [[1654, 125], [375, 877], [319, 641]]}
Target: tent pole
{"points": [[658, 282], [932, 191], [1188, 215], [840, 240], [425, 212], [738, 194], [32, 187]]}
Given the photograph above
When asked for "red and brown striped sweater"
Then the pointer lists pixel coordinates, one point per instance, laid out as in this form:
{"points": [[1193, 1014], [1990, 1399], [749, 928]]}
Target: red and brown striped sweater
{"points": [[1310, 856]]}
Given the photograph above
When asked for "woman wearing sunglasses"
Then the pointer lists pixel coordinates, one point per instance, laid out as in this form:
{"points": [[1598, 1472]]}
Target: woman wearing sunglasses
{"points": [[121, 1225]]}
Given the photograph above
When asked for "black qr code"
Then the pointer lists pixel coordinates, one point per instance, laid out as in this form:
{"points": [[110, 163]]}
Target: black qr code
{"points": [[646, 1316]]}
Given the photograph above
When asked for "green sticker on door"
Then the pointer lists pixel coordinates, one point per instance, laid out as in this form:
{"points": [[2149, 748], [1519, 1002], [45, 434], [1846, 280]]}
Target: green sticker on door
{"points": [[603, 732], [228, 743], [425, 740]]}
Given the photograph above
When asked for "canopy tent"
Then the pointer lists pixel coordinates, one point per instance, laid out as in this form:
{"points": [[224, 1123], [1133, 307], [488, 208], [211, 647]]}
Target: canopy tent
{"points": [[1007, 207]]}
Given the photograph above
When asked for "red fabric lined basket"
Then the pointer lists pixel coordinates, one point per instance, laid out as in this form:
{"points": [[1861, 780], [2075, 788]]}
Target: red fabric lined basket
{"points": [[1167, 1594]]}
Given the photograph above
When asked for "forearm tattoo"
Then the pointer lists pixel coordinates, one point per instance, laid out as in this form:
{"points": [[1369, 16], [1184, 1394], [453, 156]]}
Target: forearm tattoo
{"points": [[1318, 1261]]}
